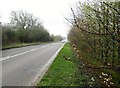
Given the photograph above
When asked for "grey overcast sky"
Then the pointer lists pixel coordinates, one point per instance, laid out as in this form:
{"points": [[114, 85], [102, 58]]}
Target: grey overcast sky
{"points": [[50, 12]]}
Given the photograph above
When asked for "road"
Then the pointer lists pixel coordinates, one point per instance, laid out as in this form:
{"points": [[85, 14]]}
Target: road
{"points": [[20, 66]]}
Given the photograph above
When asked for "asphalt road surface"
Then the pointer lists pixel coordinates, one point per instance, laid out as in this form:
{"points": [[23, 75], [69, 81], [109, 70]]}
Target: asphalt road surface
{"points": [[21, 65]]}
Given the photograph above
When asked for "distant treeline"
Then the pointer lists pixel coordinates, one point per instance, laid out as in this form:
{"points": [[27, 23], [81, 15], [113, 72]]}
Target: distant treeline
{"points": [[25, 28]]}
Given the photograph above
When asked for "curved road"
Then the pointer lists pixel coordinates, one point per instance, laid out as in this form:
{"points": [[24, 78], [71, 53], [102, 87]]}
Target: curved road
{"points": [[20, 66]]}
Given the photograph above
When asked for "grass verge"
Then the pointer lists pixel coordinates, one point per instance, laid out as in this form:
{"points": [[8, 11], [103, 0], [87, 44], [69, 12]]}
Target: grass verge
{"points": [[17, 45], [65, 71]]}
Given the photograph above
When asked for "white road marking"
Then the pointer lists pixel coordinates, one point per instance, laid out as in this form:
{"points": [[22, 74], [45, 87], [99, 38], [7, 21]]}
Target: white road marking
{"points": [[43, 70], [7, 57]]}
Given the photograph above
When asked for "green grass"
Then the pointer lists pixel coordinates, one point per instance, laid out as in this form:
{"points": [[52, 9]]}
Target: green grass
{"points": [[65, 72], [71, 73], [17, 45]]}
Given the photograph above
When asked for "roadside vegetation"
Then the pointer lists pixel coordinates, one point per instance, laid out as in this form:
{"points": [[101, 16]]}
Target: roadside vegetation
{"points": [[95, 34], [92, 58], [67, 71], [24, 29], [95, 40], [17, 45]]}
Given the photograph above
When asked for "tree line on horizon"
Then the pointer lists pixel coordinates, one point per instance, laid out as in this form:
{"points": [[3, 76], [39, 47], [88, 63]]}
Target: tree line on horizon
{"points": [[25, 28]]}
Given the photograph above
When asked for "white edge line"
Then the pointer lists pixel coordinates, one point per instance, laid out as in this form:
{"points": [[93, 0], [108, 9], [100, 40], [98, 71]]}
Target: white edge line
{"points": [[7, 57], [44, 69]]}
